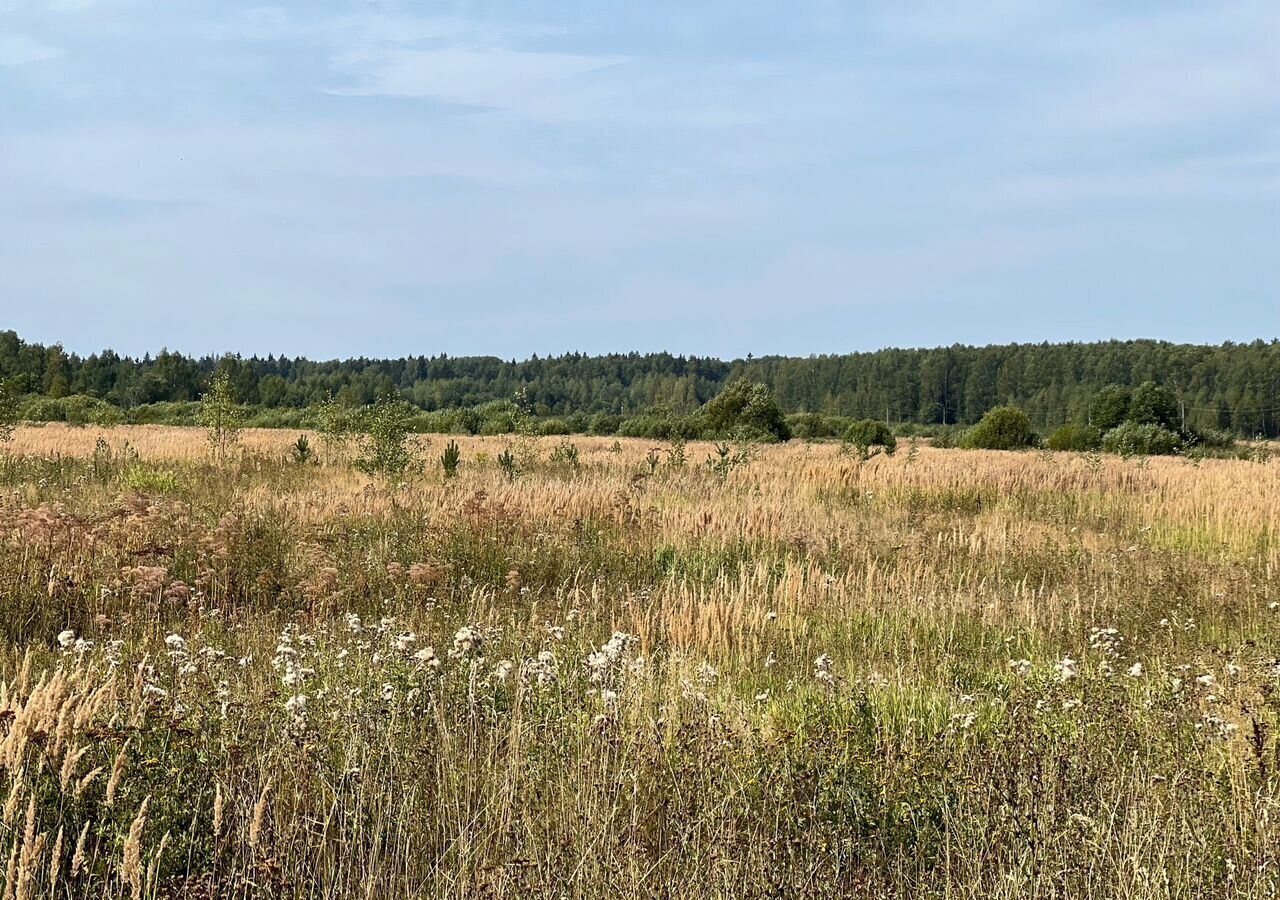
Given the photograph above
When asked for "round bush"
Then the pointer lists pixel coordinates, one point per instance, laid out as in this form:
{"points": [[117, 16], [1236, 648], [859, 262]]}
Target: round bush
{"points": [[1002, 428], [1075, 437], [1134, 439]]}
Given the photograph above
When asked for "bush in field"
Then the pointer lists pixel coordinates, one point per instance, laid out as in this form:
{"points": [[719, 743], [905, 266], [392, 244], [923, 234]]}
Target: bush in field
{"points": [[335, 422], [499, 417], [1152, 404], [745, 410], [384, 438], [220, 414], [811, 426], [1210, 438], [1002, 428], [660, 423], [1110, 407], [1134, 439], [8, 413], [1079, 438], [603, 424], [869, 437]]}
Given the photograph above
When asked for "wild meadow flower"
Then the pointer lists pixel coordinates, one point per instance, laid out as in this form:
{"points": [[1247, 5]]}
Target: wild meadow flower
{"points": [[66, 638], [427, 657], [354, 624], [1020, 667], [403, 642], [388, 691], [762, 697], [556, 632], [877, 681], [707, 674], [1232, 670], [822, 670], [1106, 640], [468, 639], [500, 671], [296, 706], [1070, 704], [1066, 669], [609, 657], [176, 643], [770, 661], [1135, 670], [541, 670], [1206, 680]]}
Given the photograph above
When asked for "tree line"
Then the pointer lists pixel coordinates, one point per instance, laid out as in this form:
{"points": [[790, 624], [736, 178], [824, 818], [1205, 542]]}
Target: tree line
{"points": [[1232, 386]]}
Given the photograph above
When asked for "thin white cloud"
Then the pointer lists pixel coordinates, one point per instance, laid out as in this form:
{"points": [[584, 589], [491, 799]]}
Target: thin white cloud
{"points": [[20, 49], [498, 78]]}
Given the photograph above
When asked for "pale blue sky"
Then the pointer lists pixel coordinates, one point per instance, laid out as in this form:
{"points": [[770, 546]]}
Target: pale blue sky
{"points": [[340, 179]]}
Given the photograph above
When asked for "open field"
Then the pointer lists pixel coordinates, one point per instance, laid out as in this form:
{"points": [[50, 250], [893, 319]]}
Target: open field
{"points": [[943, 673]]}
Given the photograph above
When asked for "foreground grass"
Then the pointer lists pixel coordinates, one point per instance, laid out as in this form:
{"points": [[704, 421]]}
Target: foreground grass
{"points": [[942, 674]]}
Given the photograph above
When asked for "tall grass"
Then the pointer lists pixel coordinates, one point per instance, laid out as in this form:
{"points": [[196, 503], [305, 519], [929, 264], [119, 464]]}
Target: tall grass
{"points": [[951, 674]]}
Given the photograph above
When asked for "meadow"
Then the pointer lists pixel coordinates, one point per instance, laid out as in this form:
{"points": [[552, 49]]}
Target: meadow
{"points": [[624, 672]]}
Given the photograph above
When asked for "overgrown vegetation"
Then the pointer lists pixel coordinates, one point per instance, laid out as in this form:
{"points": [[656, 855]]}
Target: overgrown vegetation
{"points": [[779, 674]]}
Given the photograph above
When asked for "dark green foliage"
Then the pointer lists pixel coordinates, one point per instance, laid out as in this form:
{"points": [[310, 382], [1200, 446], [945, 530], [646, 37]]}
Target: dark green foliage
{"points": [[1222, 387], [1152, 404], [565, 455], [1003, 428], [1134, 439], [725, 459], [8, 413], [747, 411], [302, 451], [1079, 438], [450, 459], [507, 462], [869, 437], [1110, 407]]}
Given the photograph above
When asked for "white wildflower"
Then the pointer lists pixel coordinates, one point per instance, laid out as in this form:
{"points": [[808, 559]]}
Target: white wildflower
{"points": [[1020, 667]]}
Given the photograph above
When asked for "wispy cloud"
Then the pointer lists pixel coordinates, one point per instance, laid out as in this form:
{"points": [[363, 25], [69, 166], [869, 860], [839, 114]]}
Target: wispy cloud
{"points": [[496, 77], [20, 49]]}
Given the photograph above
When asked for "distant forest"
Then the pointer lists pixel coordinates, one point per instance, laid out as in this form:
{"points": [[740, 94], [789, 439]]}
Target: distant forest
{"points": [[1231, 386]]}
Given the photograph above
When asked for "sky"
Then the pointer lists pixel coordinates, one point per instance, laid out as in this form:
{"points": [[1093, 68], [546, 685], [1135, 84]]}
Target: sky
{"points": [[511, 177]]}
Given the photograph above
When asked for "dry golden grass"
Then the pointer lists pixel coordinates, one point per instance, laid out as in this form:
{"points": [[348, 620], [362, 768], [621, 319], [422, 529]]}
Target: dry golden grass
{"points": [[826, 678]]}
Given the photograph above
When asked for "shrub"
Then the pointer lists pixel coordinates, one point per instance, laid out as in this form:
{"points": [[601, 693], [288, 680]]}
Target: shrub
{"points": [[1002, 428], [1210, 438], [1080, 438], [603, 424], [745, 410], [384, 438], [869, 437], [1152, 404], [8, 413], [220, 414], [1136, 439], [1110, 407]]}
